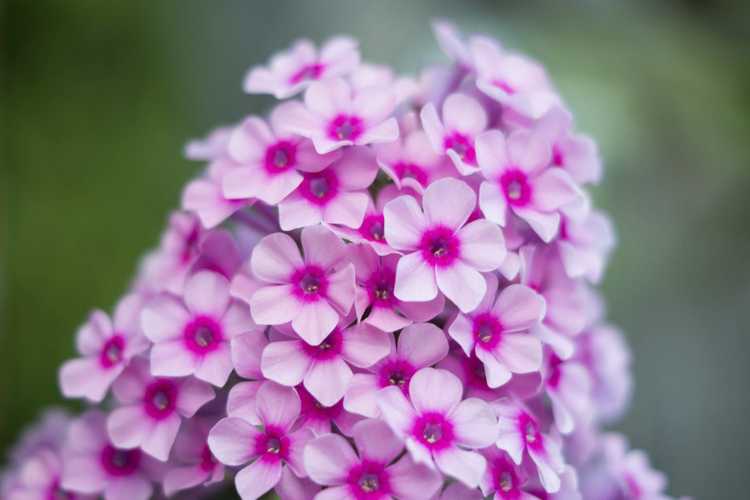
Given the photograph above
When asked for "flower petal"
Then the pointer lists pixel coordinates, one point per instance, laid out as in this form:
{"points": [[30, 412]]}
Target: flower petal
{"points": [[257, 479], [404, 223], [462, 284], [422, 344], [448, 202], [277, 405], [328, 459], [275, 258], [474, 423], [232, 441], [431, 389], [285, 362], [327, 380], [415, 279], [466, 466], [482, 245]]}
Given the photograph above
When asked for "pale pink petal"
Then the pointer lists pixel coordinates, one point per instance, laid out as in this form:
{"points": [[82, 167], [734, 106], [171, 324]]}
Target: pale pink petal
{"points": [[482, 245], [415, 279], [521, 353], [519, 307], [134, 487], [183, 478], [246, 353], [422, 344], [158, 442], [257, 479], [92, 335], [232, 441], [496, 373], [297, 119], [285, 362], [193, 395], [275, 258], [322, 247], [462, 331], [544, 224], [549, 478], [348, 209], [163, 318], [448, 202], [341, 288], [463, 113], [412, 481], [236, 184], [432, 126], [386, 319], [376, 441], [492, 154], [404, 223], [128, 426], [215, 367], [248, 141], [492, 202], [206, 200], [431, 389], [381, 133], [364, 345], [277, 405], [374, 103], [461, 283], [553, 189], [276, 187], [328, 459], [326, 98], [341, 54], [274, 305], [361, 395], [423, 311], [315, 321], [474, 423], [241, 402], [396, 410], [82, 473], [207, 292], [529, 151], [296, 212], [327, 380], [297, 442], [290, 487], [172, 359], [85, 377], [238, 320], [466, 466]]}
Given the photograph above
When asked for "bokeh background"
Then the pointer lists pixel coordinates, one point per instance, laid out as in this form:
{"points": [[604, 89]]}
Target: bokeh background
{"points": [[99, 97]]}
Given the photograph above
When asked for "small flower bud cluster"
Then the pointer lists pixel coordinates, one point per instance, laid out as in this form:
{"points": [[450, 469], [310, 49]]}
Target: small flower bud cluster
{"points": [[383, 289]]}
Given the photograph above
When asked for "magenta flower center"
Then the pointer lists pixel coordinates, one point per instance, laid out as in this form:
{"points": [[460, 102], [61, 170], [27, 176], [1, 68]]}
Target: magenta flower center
{"points": [[202, 335], [345, 128], [504, 86], [440, 246], [112, 351], [280, 156], [462, 146], [272, 445], [310, 283], [372, 227], [312, 408], [411, 170], [308, 72], [208, 461], [558, 158], [368, 480], [516, 187], [120, 463], [380, 287], [553, 379], [160, 399], [329, 348], [433, 431], [487, 330], [55, 492], [396, 372], [319, 188], [529, 429]]}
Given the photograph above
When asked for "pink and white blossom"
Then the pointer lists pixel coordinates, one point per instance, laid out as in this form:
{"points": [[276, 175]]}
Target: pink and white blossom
{"points": [[442, 251], [412, 162], [192, 464]]}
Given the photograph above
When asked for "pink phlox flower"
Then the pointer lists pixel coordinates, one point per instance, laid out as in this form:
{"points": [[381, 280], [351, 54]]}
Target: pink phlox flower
{"points": [[585, 244], [336, 195], [192, 333], [311, 292], [498, 331], [205, 198], [375, 302], [210, 148], [515, 81], [503, 479], [373, 471], [568, 387], [454, 131], [443, 252], [438, 427], [94, 465], [293, 70], [192, 463], [412, 162], [575, 153], [520, 435], [270, 162], [39, 477], [378, 75], [291, 487], [152, 408], [452, 43], [322, 419], [106, 347], [325, 368], [336, 115], [419, 346], [48, 432], [269, 448], [519, 178], [569, 489]]}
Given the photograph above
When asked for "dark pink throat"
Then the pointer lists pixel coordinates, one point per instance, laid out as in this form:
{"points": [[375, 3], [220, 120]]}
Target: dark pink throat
{"points": [[434, 431], [203, 334], [280, 157], [329, 348], [120, 463], [462, 145], [380, 287], [372, 228], [369, 480], [345, 128], [397, 372], [440, 246], [516, 188], [487, 331], [309, 283], [411, 171], [112, 351], [160, 398], [272, 445], [319, 188], [308, 72]]}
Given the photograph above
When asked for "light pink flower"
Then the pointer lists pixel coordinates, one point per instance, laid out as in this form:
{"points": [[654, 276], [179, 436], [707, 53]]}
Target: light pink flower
{"points": [[152, 408], [376, 278], [419, 345], [335, 115], [192, 334], [93, 465], [518, 178], [438, 427], [503, 480], [371, 231], [367, 473], [324, 368], [520, 435], [497, 331], [211, 147], [246, 351], [336, 195], [442, 251], [205, 198], [192, 463], [311, 293], [291, 487], [568, 387], [575, 153], [269, 162], [463, 119], [293, 70], [515, 81], [450, 41], [412, 162], [106, 347], [585, 244], [38, 477], [235, 441]]}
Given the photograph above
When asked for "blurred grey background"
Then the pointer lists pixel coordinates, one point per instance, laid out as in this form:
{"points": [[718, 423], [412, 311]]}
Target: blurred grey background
{"points": [[99, 97]]}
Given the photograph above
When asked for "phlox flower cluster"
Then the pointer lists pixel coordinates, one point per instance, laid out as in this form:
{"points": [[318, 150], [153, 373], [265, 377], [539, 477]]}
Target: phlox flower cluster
{"points": [[383, 289]]}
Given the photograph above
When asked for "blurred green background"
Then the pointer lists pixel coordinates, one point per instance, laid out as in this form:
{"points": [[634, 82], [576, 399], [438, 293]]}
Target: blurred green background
{"points": [[99, 97]]}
